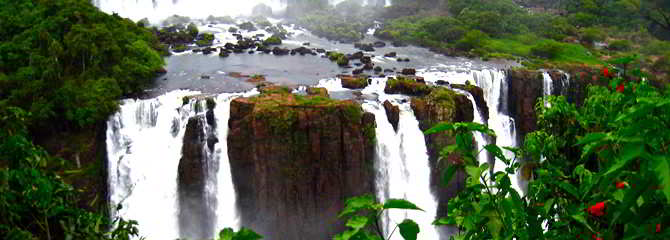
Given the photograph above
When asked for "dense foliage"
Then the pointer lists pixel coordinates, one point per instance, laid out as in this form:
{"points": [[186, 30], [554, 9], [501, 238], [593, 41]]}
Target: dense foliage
{"points": [[544, 31], [63, 65], [600, 171]]}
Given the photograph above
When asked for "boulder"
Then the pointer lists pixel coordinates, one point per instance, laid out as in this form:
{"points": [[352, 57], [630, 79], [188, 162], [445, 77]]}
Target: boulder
{"points": [[353, 82], [408, 71], [478, 95], [391, 54], [379, 44], [392, 113], [280, 51], [406, 85]]}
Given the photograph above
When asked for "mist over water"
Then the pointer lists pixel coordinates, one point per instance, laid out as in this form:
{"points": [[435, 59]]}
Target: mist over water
{"points": [[158, 10]]}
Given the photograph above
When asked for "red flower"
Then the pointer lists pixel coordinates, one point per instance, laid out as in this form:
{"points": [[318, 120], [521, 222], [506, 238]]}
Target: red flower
{"points": [[620, 88], [597, 210], [595, 237], [620, 185], [606, 72], [658, 227]]}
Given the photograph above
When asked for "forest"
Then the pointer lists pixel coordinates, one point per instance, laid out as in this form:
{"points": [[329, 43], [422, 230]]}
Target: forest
{"points": [[599, 170]]}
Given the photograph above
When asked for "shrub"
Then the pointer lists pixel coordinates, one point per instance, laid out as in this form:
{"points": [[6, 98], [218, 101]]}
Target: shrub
{"points": [[342, 60], [546, 49], [590, 35], [619, 45], [472, 39]]}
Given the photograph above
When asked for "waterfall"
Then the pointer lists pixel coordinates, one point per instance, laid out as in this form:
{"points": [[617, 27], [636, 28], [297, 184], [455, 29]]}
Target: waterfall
{"points": [[157, 10], [481, 139], [547, 87], [144, 144]]}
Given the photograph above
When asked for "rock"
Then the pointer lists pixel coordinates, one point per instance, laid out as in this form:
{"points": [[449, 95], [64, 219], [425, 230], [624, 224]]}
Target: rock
{"points": [[525, 87], [315, 91], [388, 70], [321, 50], [356, 55], [391, 55], [406, 60], [478, 95], [408, 71], [280, 51], [195, 216], [293, 165], [407, 86], [442, 83], [223, 53], [251, 52], [249, 26], [232, 29], [368, 66], [357, 71], [419, 79], [392, 113], [398, 44], [306, 44], [303, 50], [442, 105], [379, 44], [256, 79], [230, 46], [208, 50], [378, 69], [366, 59], [161, 70], [353, 82], [205, 77]]}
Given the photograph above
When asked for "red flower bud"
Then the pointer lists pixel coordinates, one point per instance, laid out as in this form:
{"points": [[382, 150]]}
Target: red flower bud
{"points": [[658, 228], [597, 210], [606, 72], [620, 185], [620, 88]]}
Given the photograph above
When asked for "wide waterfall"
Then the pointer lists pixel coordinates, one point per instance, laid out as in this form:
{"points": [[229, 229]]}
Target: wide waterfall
{"points": [[144, 144]]}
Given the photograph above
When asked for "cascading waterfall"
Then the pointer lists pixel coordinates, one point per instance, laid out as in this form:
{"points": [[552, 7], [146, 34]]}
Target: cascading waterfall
{"points": [[480, 138], [144, 144]]}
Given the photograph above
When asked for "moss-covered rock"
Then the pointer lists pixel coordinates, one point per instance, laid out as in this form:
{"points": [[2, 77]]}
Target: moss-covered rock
{"points": [[273, 40], [478, 94], [295, 159], [406, 85], [353, 82], [316, 91]]}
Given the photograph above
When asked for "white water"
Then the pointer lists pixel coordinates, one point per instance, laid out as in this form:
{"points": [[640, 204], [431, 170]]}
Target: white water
{"points": [[403, 170], [547, 87], [144, 141], [161, 9], [480, 138]]}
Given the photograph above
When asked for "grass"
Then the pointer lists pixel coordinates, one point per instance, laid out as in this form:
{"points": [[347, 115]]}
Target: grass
{"points": [[521, 46]]}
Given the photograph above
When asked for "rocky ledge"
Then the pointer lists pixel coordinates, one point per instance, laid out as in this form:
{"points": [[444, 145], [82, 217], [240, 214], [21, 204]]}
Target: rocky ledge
{"points": [[295, 159]]}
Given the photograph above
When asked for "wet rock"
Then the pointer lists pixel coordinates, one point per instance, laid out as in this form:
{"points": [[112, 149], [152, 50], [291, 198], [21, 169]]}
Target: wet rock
{"points": [[408, 71], [315, 91], [398, 44], [249, 26], [357, 71], [388, 70], [280, 51], [392, 113], [321, 50], [391, 54], [306, 44], [406, 85], [356, 55], [208, 50], [205, 77], [303, 51], [366, 59], [368, 66], [379, 44], [442, 82], [378, 69], [353, 82], [478, 95]]}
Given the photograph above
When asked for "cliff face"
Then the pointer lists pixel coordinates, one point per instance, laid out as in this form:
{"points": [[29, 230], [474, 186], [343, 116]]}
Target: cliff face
{"points": [[196, 215], [442, 105], [295, 159], [524, 90]]}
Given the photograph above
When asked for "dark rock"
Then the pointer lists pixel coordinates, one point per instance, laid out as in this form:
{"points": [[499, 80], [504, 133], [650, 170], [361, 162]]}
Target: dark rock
{"points": [[408, 71], [314, 91], [196, 220], [280, 51], [478, 95], [379, 44], [251, 52], [230, 46], [357, 71], [441, 82], [398, 44], [388, 70], [306, 44], [392, 113], [366, 59], [321, 50], [356, 55], [406, 85], [292, 176], [205, 77], [378, 69], [208, 50], [368, 66], [391, 54], [303, 50]]}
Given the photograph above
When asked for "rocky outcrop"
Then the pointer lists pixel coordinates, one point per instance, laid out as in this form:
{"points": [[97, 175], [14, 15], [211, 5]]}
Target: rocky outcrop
{"points": [[524, 90], [407, 85], [295, 159], [442, 105], [392, 113], [196, 215], [353, 82], [317, 91], [478, 94]]}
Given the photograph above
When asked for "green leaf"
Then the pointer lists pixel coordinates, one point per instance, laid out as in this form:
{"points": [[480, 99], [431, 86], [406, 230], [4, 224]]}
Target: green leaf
{"points": [[400, 204], [548, 204], [497, 152], [346, 235], [408, 229], [582, 220], [591, 137], [440, 127], [355, 204], [628, 153], [246, 234], [442, 221], [449, 173], [569, 188], [226, 234], [357, 222], [662, 169]]}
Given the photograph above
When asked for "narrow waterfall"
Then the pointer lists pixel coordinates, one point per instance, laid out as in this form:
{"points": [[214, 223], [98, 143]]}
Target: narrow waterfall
{"points": [[481, 139], [547, 87], [144, 143]]}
